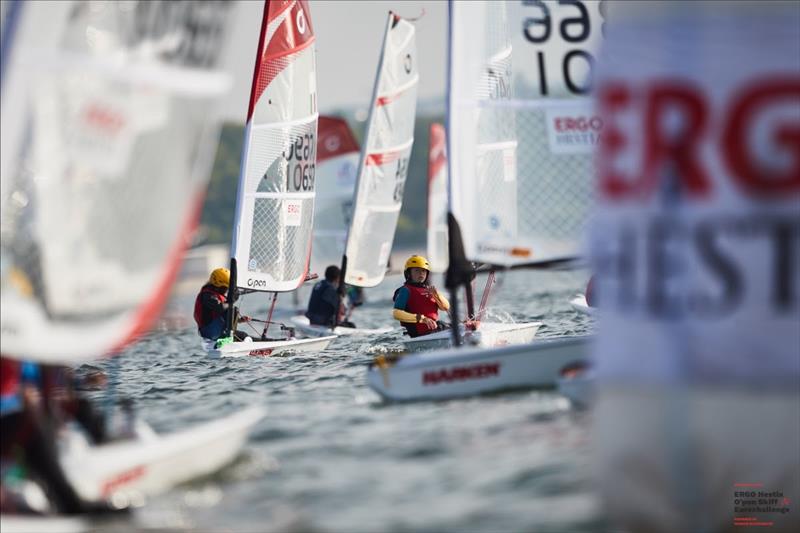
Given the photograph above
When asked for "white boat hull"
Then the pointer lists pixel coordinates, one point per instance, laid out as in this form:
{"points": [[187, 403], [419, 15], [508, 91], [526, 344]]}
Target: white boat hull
{"points": [[150, 463], [577, 389], [469, 371], [10, 523], [488, 335], [267, 348], [579, 304], [302, 325]]}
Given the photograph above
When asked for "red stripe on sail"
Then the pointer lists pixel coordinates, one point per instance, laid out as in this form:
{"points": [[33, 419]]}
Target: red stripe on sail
{"points": [[382, 158], [388, 99], [294, 34], [335, 138], [436, 151], [151, 308]]}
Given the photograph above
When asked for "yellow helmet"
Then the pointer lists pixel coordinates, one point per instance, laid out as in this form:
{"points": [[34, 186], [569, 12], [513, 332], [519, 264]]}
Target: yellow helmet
{"points": [[417, 261], [220, 277]]}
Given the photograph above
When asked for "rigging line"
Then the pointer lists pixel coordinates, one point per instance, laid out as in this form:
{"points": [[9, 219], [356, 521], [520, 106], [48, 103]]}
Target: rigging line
{"points": [[485, 298], [269, 318]]}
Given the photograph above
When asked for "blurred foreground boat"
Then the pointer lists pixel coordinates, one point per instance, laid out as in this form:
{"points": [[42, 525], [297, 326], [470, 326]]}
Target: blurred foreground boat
{"points": [[109, 127]]}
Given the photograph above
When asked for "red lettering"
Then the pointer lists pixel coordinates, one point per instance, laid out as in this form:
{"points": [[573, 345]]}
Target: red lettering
{"points": [[122, 479], [612, 98], [664, 151], [676, 152], [755, 177], [461, 373]]}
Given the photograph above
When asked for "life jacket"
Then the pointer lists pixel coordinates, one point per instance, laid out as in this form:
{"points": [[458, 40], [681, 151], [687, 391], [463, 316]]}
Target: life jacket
{"points": [[202, 315], [320, 312], [10, 385], [422, 302]]}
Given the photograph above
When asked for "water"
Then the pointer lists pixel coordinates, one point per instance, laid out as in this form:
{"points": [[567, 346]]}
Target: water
{"points": [[330, 456]]}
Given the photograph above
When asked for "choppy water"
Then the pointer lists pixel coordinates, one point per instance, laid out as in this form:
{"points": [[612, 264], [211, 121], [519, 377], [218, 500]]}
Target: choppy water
{"points": [[330, 456]]}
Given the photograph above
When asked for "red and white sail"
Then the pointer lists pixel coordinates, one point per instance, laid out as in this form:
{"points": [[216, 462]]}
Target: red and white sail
{"points": [[337, 166], [275, 200], [437, 199], [108, 134], [385, 155]]}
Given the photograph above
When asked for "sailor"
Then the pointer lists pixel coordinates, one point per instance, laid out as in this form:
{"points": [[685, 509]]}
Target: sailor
{"points": [[417, 302], [325, 302], [28, 443], [211, 306]]}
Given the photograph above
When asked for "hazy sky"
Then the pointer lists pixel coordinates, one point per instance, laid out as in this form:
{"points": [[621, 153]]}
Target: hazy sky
{"points": [[349, 37]]}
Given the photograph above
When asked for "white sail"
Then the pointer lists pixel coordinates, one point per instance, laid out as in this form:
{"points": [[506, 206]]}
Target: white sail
{"points": [[337, 166], [384, 158], [521, 138], [437, 199], [275, 201], [108, 133]]}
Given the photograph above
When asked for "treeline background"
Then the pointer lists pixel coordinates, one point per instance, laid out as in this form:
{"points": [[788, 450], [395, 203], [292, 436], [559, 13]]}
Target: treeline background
{"points": [[216, 221]]}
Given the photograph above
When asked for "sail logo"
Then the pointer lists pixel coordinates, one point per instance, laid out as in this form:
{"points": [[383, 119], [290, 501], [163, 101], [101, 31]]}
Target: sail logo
{"points": [[256, 283], [460, 373], [573, 131], [300, 21]]}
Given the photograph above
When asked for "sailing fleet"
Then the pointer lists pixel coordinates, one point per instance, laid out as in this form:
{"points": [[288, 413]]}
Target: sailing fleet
{"points": [[274, 231], [308, 196]]}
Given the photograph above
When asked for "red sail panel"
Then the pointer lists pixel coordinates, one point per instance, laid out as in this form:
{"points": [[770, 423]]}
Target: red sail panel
{"points": [[334, 139], [383, 158], [436, 153], [293, 33]]}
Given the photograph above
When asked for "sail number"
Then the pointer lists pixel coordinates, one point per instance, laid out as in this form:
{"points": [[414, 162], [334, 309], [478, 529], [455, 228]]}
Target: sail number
{"points": [[400, 179], [572, 30], [300, 163]]}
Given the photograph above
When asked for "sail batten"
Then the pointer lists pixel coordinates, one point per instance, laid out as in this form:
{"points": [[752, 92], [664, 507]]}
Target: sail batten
{"points": [[383, 165]]}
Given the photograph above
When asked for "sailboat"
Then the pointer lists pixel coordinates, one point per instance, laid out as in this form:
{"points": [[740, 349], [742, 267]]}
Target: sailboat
{"points": [[108, 131], [487, 333], [383, 165], [338, 156], [271, 245], [517, 141]]}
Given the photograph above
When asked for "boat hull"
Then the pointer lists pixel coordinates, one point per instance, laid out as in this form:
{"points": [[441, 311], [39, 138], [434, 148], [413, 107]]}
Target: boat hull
{"points": [[268, 348], [469, 371], [578, 303], [302, 325], [489, 335], [579, 389], [149, 464]]}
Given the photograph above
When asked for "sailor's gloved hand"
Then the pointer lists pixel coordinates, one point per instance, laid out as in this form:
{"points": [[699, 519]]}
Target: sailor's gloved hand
{"points": [[429, 322], [245, 318]]}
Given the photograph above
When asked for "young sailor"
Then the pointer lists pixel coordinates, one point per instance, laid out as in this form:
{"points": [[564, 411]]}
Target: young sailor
{"points": [[211, 305], [417, 302], [325, 301]]}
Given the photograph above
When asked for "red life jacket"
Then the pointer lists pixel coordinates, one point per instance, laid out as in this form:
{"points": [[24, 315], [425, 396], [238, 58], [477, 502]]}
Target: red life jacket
{"points": [[202, 315], [10, 378], [422, 302]]}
